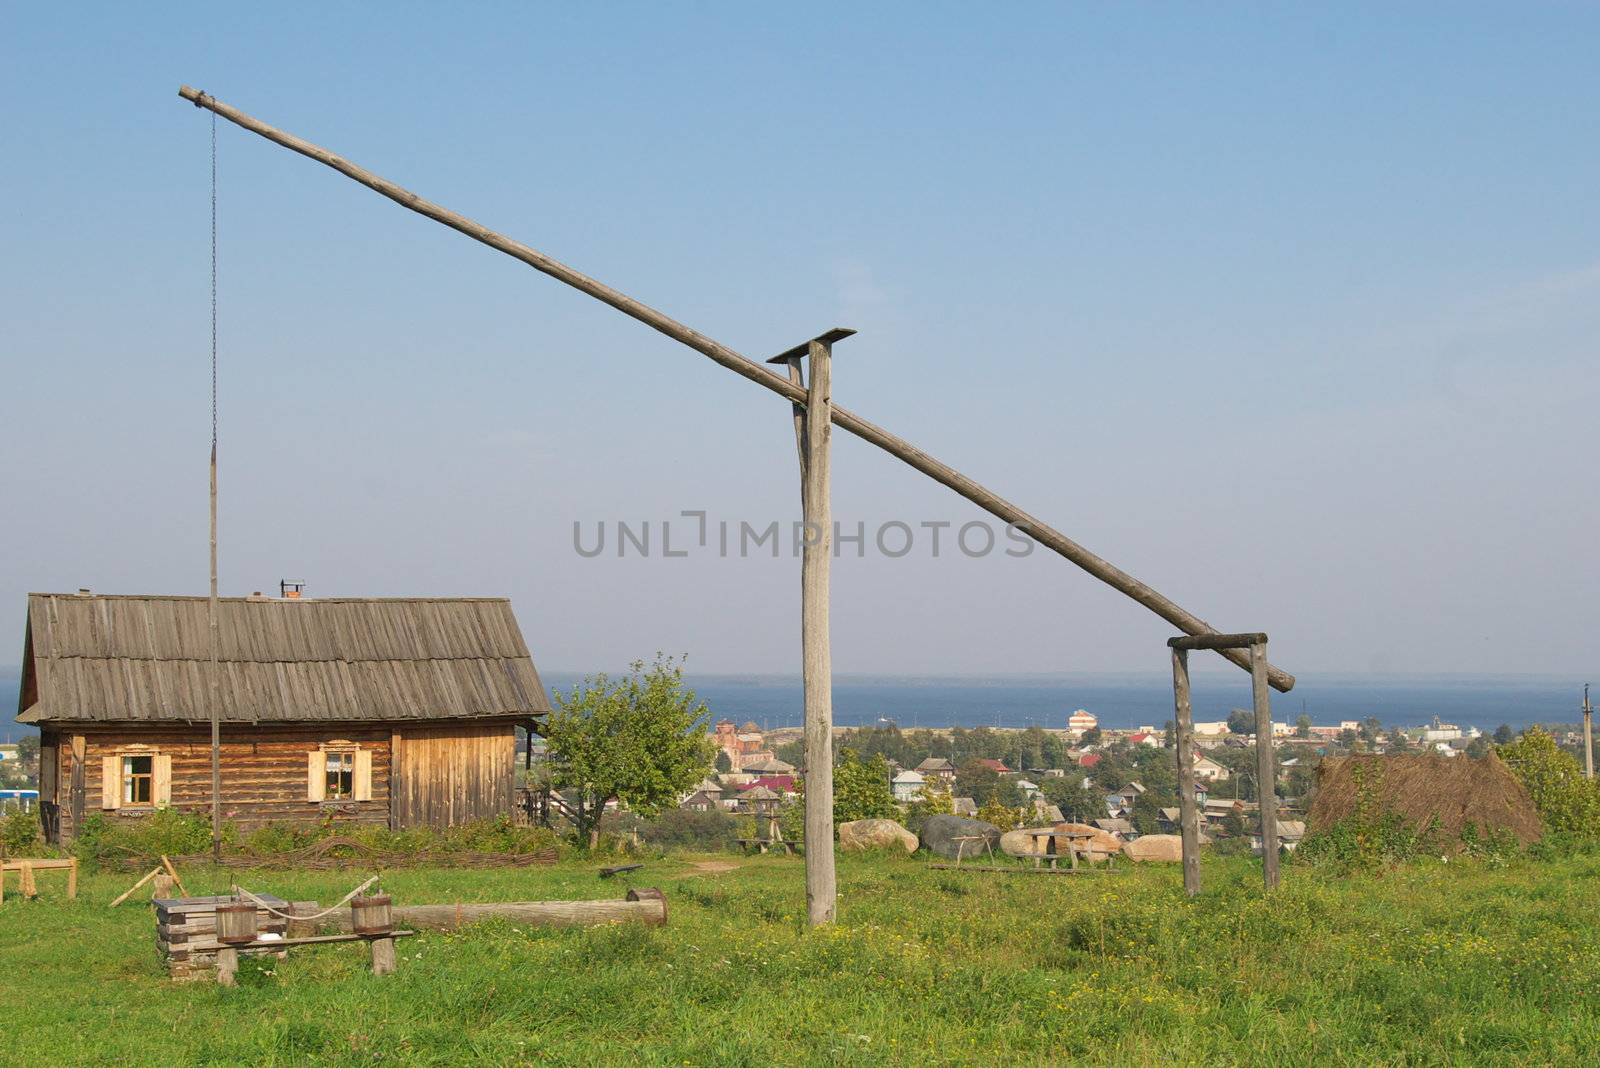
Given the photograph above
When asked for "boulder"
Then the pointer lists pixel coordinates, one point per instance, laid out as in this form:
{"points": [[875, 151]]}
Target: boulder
{"points": [[1104, 843], [940, 832], [861, 835], [1021, 844], [1161, 848]]}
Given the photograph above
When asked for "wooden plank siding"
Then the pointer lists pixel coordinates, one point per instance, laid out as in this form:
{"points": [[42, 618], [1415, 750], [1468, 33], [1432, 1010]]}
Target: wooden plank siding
{"points": [[447, 776]]}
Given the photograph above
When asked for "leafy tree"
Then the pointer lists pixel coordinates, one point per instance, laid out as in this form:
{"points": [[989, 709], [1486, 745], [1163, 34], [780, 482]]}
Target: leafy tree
{"points": [[1567, 802], [1002, 816], [1348, 738], [724, 763], [976, 781], [1241, 721], [792, 753], [1369, 729], [1146, 814], [1302, 726], [861, 788], [1298, 780], [640, 741], [1478, 747], [936, 799], [1008, 793], [1077, 802], [1169, 735], [1092, 736], [1503, 734]]}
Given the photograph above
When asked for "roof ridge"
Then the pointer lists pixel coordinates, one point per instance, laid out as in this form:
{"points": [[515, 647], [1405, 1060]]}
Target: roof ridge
{"points": [[252, 599]]}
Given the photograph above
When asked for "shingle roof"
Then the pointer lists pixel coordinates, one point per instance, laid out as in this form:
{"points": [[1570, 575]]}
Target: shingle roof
{"points": [[110, 658]]}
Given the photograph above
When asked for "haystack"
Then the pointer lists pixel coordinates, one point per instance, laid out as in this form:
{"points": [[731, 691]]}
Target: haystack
{"points": [[1458, 790]]}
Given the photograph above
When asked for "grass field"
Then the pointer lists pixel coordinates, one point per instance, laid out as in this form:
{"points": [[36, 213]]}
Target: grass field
{"points": [[1459, 963]]}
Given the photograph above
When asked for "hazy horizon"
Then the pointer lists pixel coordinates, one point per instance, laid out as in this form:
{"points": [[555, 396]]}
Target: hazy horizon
{"points": [[1292, 314]]}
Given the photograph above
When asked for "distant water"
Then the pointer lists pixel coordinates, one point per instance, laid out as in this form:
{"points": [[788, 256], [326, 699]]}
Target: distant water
{"points": [[1119, 700], [1132, 700]]}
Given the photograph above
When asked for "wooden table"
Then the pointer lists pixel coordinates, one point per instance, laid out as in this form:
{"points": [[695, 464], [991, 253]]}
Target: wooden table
{"points": [[761, 845], [25, 867], [1073, 839]]}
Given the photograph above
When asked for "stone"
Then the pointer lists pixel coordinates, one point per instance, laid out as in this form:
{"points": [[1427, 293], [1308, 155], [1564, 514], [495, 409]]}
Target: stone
{"points": [[1160, 848], [1021, 844], [861, 835], [1104, 843], [940, 832]]}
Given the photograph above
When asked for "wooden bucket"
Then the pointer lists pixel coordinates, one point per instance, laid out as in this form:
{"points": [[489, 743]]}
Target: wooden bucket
{"points": [[236, 923], [371, 915]]}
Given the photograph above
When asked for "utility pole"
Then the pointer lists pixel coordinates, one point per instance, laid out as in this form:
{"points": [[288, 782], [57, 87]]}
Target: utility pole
{"points": [[1588, 735]]}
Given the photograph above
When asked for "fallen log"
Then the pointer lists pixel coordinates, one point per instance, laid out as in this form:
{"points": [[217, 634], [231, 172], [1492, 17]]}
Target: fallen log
{"points": [[646, 910]]}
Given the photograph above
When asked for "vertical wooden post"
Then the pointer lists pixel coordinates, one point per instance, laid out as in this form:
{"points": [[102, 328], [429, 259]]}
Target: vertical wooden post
{"points": [[398, 810], [1266, 770], [72, 879], [813, 426], [1183, 735], [79, 750], [817, 551], [227, 966], [382, 956]]}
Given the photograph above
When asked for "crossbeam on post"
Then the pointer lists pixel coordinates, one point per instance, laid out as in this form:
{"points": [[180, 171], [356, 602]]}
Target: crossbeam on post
{"points": [[980, 495]]}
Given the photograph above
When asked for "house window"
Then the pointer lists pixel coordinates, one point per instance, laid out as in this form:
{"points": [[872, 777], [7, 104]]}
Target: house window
{"points": [[138, 780], [340, 776]]}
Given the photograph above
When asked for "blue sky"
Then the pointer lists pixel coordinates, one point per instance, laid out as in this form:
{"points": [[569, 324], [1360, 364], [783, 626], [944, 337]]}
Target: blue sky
{"points": [[1289, 312]]}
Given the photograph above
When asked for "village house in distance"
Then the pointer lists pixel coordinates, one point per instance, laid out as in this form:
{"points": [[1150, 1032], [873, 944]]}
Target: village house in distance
{"points": [[395, 711]]}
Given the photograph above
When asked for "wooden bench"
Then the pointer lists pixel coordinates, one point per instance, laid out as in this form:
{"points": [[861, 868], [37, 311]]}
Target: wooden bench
{"points": [[761, 845]]}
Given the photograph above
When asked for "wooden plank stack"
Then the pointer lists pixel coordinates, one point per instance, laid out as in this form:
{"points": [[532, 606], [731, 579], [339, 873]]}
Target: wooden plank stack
{"points": [[186, 931]]}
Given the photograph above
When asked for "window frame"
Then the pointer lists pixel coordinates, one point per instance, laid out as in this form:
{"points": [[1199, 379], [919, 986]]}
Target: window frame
{"points": [[331, 791], [129, 780]]}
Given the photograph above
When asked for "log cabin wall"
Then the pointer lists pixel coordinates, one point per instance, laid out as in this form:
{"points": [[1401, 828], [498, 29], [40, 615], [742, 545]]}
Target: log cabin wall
{"points": [[452, 774], [265, 771]]}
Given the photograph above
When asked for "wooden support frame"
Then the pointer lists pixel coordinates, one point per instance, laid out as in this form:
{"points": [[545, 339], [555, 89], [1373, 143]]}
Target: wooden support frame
{"points": [[1255, 645]]}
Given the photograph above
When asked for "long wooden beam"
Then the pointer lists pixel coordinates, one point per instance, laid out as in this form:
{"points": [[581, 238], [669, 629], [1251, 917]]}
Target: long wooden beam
{"points": [[741, 365]]}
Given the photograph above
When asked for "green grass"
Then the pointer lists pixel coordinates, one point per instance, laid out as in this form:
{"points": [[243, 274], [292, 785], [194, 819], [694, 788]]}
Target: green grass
{"points": [[1459, 963]]}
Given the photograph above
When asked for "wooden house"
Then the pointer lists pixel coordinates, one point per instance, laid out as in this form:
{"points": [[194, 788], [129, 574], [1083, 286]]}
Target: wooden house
{"points": [[391, 711]]}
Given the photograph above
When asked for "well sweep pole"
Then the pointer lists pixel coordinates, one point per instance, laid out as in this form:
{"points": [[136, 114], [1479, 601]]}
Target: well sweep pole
{"points": [[990, 502]]}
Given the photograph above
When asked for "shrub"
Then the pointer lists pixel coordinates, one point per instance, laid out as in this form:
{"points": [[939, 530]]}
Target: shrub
{"points": [[164, 831], [1567, 802], [679, 828], [19, 833]]}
